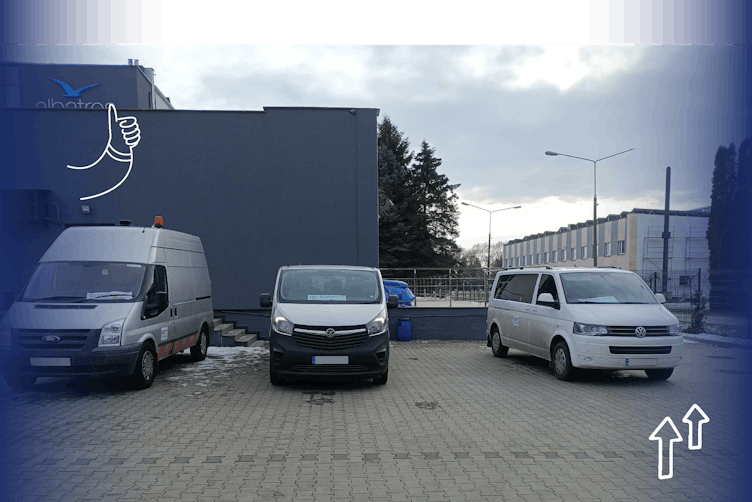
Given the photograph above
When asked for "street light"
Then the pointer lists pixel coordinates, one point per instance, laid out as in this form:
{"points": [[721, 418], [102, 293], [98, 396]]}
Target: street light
{"points": [[595, 199], [489, 225]]}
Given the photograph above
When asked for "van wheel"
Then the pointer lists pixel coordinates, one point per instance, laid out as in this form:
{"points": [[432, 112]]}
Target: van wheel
{"points": [[381, 380], [198, 351], [659, 374], [562, 362], [274, 378], [19, 382], [498, 349], [146, 367]]}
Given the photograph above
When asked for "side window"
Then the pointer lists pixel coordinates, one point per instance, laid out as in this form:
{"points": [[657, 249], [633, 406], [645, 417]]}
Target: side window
{"points": [[548, 285], [157, 297], [500, 285], [518, 288]]}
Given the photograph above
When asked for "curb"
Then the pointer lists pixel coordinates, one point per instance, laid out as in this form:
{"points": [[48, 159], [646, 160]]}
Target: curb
{"points": [[725, 344]]}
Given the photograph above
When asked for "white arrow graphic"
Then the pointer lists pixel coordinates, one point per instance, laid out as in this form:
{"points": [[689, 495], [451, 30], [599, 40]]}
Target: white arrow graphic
{"points": [[655, 437], [689, 421]]}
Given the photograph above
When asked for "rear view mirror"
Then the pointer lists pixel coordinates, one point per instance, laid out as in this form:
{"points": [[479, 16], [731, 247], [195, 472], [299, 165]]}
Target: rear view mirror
{"points": [[265, 301], [8, 299], [392, 302], [547, 300], [660, 297]]}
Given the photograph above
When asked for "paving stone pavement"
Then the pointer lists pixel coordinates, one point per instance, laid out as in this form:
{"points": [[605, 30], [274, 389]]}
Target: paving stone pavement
{"points": [[453, 423]]}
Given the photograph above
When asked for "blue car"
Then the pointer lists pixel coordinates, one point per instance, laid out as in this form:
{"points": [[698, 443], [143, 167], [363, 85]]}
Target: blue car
{"points": [[399, 288]]}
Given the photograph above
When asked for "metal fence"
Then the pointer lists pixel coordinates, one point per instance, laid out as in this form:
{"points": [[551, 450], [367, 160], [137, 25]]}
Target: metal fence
{"points": [[710, 301]]}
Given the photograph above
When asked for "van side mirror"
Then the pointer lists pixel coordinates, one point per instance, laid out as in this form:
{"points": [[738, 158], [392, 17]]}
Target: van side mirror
{"points": [[392, 302], [8, 299], [547, 300], [265, 301], [660, 297]]}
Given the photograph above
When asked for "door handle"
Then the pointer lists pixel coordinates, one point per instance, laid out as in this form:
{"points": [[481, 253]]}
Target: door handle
{"points": [[176, 311]]}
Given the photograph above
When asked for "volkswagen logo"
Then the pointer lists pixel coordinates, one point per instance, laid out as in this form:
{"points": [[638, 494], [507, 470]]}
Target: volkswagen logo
{"points": [[640, 332], [50, 339], [330, 333]]}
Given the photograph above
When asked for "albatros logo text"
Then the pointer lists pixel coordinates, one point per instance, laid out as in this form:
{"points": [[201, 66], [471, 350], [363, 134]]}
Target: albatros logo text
{"points": [[70, 92]]}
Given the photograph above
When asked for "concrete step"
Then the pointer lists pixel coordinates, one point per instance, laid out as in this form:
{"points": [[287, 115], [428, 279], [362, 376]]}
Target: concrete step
{"points": [[261, 344], [217, 322], [224, 328], [245, 340]]}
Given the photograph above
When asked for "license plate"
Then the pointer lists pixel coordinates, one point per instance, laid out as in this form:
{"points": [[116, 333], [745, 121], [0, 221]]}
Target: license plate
{"points": [[331, 359], [640, 362], [49, 361]]}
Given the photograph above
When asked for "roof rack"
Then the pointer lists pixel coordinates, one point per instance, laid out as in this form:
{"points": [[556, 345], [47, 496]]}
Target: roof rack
{"points": [[531, 266], [608, 266]]}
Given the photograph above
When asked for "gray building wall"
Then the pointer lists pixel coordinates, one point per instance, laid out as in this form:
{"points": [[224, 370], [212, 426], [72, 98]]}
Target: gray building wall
{"points": [[261, 189]]}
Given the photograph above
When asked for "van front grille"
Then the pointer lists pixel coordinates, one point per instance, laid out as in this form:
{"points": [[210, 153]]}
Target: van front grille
{"points": [[69, 339], [340, 369], [345, 337], [630, 330], [640, 350]]}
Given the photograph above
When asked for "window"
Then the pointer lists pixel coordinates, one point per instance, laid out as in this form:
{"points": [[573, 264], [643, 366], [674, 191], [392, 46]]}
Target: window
{"points": [[548, 285], [545, 257], [531, 260], [608, 249], [684, 280], [621, 247], [157, 295], [537, 259], [584, 252], [598, 250], [524, 260], [563, 255], [516, 287], [574, 253], [555, 257]]}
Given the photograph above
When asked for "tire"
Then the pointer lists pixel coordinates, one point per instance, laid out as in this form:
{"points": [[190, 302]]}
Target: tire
{"points": [[659, 374], [381, 380], [496, 347], [562, 363], [19, 382], [274, 378], [146, 367], [198, 351]]}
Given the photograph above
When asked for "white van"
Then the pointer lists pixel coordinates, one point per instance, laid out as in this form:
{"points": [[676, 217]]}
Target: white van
{"points": [[329, 322], [602, 318], [107, 301]]}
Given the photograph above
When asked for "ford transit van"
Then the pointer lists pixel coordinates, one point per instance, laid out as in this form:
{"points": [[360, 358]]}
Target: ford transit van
{"points": [[602, 318], [108, 301], [329, 322]]}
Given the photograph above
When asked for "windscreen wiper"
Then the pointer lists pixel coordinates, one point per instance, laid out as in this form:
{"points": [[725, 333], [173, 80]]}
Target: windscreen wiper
{"points": [[49, 298]]}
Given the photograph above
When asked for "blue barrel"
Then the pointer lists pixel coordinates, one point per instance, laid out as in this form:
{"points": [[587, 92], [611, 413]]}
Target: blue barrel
{"points": [[404, 329]]}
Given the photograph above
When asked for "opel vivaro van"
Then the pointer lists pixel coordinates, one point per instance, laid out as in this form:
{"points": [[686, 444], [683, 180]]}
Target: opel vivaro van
{"points": [[602, 318], [329, 322], [107, 301]]}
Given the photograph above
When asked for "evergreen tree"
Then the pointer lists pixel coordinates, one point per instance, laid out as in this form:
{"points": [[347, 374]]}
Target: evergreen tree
{"points": [[741, 209], [719, 235], [437, 210]]}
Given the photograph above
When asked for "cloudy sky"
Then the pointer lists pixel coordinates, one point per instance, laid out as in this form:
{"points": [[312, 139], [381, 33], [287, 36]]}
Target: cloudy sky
{"points": [[491, 111]]}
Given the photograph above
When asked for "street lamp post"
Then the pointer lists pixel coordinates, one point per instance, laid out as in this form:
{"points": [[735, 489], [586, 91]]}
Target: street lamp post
{"points": [[489, 225], [595, 198]]}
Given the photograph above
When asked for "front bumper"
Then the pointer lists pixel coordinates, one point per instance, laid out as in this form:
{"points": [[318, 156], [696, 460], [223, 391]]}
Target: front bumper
{"points": [[110, 361], [626, 353], [289, 359]]}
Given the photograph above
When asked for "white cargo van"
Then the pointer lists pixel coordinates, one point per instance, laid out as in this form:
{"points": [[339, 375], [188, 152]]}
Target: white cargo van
{"points": [[329, 322], [602, 318], [108, 301]]}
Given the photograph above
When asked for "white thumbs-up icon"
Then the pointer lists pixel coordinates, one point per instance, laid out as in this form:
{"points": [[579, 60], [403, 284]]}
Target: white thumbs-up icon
{"points": [[119, 147]]}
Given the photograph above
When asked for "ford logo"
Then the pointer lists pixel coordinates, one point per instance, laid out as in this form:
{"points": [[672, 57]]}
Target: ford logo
{"points": [[640, 332], [330, 333], [50, 339]]}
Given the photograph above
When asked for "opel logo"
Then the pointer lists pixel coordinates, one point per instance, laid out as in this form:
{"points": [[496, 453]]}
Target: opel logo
{"points": [[330, 333], [640, 332], [50, 339]]}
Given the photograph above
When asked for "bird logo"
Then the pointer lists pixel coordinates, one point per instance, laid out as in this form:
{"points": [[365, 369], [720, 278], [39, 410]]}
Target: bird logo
{"points": [[127, 140], [70, 92]]}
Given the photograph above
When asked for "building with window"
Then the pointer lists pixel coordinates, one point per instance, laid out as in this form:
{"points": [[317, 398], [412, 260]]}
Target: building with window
{"points": [[631, 240]]}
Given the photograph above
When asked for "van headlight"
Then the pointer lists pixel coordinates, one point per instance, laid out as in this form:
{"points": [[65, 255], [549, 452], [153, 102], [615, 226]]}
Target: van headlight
{"points": [[111, 334], [675, 329], [5, 331], [589, 329], [378, 324], [281, 325]]}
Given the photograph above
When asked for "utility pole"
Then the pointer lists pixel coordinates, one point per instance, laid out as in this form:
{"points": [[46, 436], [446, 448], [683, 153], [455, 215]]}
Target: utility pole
{"points": [[666, 234]]}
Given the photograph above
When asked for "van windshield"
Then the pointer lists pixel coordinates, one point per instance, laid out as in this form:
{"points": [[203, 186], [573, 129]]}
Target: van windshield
{"points": [[85, 281], [329, 286], [605, 287]]}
